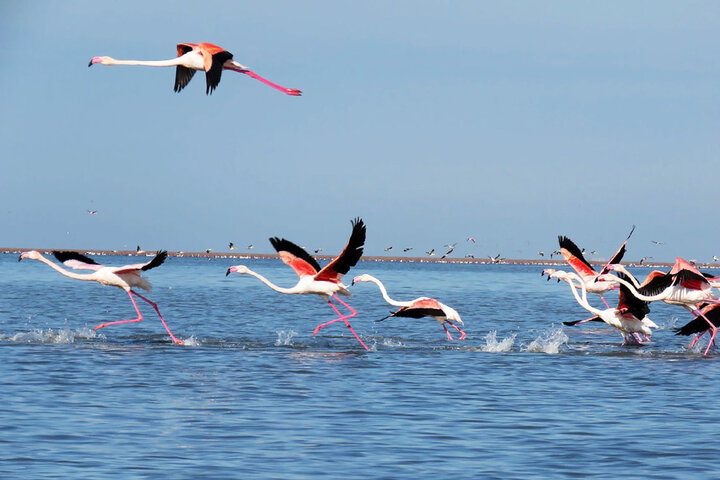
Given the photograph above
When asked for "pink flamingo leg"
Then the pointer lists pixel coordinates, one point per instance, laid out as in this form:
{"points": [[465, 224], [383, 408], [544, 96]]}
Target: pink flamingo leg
{"points": [[344, 319], [462, 334], [446, 331], [138, 319], [290, 91], [692, 344], [605, 301], [712, 328], [179, 342]]}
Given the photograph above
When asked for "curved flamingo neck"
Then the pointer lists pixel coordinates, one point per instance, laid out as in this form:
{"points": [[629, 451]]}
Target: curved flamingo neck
{"points": [[385, 295], [76, 276], [272, 285], [660, 296], [632, 278], [582, 301]]}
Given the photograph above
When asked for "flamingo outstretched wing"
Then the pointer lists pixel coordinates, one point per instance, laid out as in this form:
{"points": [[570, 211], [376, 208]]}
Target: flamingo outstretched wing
{"points": [[76, 261], [296, 257], [349, 257], [157, 260], [574, 257], [618, 255]]}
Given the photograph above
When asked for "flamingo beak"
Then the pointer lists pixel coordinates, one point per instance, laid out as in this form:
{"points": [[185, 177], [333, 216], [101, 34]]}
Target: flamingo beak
{"points": [[20, 257], [94, 60], [229, 271]]}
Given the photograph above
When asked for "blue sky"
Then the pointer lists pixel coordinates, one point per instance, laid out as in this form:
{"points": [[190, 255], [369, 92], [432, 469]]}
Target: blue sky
{"points": [[510, 122]]}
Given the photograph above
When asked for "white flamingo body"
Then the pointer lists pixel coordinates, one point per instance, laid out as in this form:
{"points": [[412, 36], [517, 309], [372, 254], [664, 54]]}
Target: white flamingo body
{"points": [[126, 277], [625, 322], [421, 306]]}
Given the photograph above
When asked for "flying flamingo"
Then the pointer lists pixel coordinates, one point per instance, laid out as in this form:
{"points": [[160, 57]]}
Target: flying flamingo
{"points": [[324, 282], [418, 308], [125, 277], [684, 285], [201, 56], [594, 283], [629, 317]]}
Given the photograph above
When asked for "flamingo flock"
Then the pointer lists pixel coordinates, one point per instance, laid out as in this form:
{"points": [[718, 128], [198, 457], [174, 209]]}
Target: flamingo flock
{"points": [[683, 285]]}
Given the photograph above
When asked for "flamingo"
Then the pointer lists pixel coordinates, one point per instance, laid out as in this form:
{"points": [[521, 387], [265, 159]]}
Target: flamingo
{"points": [[126, 277], [594, 283], [418, 308], [699, 324], [684, 285], [324, 282], [630, 316], [201, 56]]}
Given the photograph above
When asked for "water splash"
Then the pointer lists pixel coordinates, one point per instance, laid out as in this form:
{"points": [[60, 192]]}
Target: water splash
{"points": [[191, 342], [66, 335], [284, 338], [548, 342], [492, 345], [390, 342]]}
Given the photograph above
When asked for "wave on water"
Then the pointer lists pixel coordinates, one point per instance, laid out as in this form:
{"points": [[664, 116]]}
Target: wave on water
{"points": [[492, 344], [66, 335], [284, 338], [548, 342]]}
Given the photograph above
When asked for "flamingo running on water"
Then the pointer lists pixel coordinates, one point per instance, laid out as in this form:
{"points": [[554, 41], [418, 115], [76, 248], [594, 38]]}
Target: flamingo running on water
{"points": [[126, 277], [630, 316], [324, 282], [684, 285], [418, 308], [201, 56]]}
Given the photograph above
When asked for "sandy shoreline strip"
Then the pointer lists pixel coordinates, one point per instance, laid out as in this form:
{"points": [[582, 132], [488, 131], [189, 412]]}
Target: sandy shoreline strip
{"points": [[238, 255]]}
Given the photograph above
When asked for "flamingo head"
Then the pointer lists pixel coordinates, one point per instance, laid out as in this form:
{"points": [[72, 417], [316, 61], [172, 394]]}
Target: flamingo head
{"points": [[548, 272], [361, 278], [237, 269], [103, 60], [32, 255]]}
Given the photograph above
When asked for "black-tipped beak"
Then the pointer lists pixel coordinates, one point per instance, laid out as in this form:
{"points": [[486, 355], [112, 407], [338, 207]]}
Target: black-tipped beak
{"points": [[228, 272], [90, 64], [352, 283], [19, 258]]}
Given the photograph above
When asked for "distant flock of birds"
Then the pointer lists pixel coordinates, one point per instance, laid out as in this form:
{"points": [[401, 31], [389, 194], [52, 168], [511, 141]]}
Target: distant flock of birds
{"points": [[683, 285]]}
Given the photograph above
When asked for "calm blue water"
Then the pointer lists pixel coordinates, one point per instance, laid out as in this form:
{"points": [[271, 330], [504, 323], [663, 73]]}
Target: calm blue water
{"points": [[255, 396]]}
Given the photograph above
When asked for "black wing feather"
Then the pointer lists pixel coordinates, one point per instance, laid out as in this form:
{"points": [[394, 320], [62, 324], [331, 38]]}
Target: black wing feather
{"points": [[685, 275], [157, 261], [699, 324], [568, 245], [408, 312], [638, 308], [212, 76], [65, 256], [593, 319], [183, 75], [656, 285], [283, 245], [354, 250]]}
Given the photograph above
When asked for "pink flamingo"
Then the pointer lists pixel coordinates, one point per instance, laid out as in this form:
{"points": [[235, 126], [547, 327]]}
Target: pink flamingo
{"points": [[418, 308], [324, 282], [594, 283], [630, 316], [684, 285], [201, 56], [125, 277]]}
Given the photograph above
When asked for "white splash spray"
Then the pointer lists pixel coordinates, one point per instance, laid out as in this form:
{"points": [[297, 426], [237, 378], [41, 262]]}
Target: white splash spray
{"points": [[284, 338], [548, 342], [492, 344]]}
